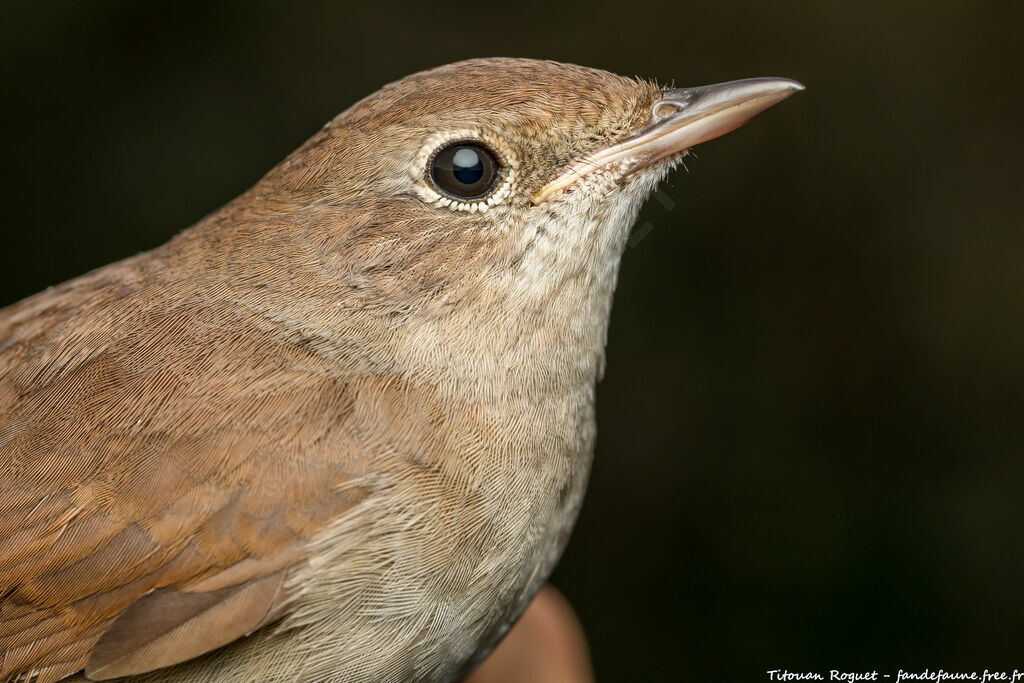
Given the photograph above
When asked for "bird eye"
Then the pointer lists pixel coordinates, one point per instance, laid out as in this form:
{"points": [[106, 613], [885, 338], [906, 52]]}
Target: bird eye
{"points": [[464, 170]]}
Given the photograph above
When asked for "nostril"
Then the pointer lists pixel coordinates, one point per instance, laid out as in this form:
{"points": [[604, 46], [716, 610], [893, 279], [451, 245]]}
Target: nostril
{"points": [[663, 110]]}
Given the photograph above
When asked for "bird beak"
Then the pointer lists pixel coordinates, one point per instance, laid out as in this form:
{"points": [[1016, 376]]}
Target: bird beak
{"points": [[681, 118]]}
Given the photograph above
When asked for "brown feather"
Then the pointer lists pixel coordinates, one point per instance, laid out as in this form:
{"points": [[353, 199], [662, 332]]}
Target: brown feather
{"points": [[170, 626], [112, 457]]}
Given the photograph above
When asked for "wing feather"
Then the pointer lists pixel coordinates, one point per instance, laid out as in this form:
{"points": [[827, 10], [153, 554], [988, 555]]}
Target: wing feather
{"points": [[156, 490], [170, 626]]}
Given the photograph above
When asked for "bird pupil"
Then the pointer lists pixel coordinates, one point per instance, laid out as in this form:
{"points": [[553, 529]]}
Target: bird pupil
{"points": [[467, 167], [464, 170]]}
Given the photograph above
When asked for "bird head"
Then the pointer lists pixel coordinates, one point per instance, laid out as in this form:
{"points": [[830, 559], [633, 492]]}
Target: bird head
{"points": [[479, 210]]}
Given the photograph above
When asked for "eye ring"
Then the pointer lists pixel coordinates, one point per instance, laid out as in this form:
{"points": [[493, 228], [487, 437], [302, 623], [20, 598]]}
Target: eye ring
{"points": [[465, 170]]}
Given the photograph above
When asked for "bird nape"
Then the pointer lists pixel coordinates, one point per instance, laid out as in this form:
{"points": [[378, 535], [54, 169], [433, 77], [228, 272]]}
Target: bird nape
{"points": [[340, 429]]}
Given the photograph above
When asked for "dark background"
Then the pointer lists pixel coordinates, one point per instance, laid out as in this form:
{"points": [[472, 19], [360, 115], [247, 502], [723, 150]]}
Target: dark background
{"points": [[809, 452]]}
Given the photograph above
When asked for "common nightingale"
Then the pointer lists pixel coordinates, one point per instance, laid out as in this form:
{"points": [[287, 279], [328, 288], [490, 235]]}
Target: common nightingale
{"points": [[339, 429]]}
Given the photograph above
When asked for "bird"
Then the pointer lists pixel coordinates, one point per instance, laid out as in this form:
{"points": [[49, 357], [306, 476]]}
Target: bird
{"points": [[339, 429]]}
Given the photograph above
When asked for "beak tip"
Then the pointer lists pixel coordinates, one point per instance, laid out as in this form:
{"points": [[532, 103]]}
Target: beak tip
{"points": [[785, 86]]}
